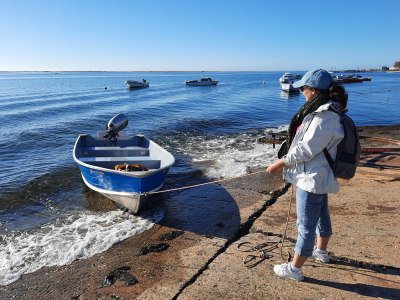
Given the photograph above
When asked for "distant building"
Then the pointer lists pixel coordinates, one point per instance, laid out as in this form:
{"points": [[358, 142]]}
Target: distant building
{"points": [[394, 69], [384, 68]]}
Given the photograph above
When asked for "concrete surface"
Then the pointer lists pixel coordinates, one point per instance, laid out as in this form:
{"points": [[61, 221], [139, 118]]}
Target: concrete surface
{"points": [[197, 242]]}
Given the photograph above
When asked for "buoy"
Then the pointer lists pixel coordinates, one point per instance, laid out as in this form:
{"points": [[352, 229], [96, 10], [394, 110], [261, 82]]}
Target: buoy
{"points": [[263, 82], [227, 84], [105, 88]]}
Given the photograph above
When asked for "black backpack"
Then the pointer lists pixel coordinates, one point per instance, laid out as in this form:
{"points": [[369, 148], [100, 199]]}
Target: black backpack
{"points": [[348, 150]]}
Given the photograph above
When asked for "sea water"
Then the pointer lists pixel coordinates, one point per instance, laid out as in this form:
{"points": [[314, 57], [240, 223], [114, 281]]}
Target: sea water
{"points": [[47, 214]]}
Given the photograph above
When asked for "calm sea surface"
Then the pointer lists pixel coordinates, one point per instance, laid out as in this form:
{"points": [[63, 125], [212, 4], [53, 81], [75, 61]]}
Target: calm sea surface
{"points": [[49, 217]]}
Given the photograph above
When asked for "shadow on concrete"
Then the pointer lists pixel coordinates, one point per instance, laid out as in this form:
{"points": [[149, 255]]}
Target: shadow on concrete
{"points": [[207, 210], [361, 288]]}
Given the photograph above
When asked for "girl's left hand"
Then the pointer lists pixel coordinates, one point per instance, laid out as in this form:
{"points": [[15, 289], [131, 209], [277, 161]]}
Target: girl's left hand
{"points": [[275, 167]]}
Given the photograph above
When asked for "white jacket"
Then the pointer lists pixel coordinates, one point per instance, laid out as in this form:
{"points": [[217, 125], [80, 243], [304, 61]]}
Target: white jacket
{"points": [[306, 165]]}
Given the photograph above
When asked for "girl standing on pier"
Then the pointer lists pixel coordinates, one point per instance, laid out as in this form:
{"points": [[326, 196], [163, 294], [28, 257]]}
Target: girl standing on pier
{"points": [[304, 165]]}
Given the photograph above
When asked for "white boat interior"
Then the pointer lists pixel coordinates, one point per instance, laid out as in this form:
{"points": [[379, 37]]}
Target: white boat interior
{"points": [[96, 154]]}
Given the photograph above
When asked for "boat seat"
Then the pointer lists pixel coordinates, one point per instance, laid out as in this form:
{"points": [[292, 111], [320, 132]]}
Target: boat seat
{"points": [[114, 151], [111, 162]]}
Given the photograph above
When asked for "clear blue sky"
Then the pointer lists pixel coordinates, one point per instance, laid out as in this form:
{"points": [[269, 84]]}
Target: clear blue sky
{"points": [[169, 35]]}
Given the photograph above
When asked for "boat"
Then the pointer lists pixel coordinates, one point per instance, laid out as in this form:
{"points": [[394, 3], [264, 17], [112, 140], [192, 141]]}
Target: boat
{"points": [[337, 81], [133, 84], [367, 79], [352, 79], [202, 81], [287, 77], [102, 159], [289, 87], [286, 82], [297, 76]]}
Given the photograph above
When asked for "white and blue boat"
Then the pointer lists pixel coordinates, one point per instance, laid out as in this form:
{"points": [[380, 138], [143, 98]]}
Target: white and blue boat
{"points": [[98, 156]]}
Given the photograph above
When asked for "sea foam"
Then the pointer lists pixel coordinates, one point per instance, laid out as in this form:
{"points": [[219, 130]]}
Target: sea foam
{"points": [[62, 242], [230, 156]]}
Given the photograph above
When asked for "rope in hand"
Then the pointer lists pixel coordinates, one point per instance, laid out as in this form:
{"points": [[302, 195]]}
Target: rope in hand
{"points": [[248, 260]]}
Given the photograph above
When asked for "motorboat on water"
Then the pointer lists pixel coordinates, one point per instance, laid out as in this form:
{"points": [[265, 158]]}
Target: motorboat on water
{"points": [[133, 84], [297, 76], [337, 81], [287, 77], [349, 78], [289, 87], [202, 81], [286, 82], [123, 168]]}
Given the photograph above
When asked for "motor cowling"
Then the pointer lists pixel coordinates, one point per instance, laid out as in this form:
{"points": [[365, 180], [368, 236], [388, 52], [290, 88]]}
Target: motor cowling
{"points": [[117, 123]]}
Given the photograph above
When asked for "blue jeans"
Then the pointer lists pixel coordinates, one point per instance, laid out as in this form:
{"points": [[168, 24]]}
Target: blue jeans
{"points": [[312, 217]]}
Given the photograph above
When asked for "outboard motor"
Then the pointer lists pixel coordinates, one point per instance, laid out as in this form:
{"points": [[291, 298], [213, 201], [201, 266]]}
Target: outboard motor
{"points": [[116, 124]]}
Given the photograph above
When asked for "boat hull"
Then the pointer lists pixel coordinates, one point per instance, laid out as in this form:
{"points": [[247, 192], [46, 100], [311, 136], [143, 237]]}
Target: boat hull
{"points": [[97, 159], [134, 201], [136, 84], [352, 80], [199, 83], [289, 87]]}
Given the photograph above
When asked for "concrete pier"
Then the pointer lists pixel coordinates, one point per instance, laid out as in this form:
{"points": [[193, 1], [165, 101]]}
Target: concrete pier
{"points": [[198, 258]]}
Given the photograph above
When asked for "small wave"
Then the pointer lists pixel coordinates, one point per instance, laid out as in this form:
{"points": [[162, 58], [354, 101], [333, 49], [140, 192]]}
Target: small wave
{"points": [[77, 237], [226, 156]]}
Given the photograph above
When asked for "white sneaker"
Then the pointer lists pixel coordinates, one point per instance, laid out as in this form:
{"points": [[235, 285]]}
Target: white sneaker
{"points": [[284, 270], [324, 257]]}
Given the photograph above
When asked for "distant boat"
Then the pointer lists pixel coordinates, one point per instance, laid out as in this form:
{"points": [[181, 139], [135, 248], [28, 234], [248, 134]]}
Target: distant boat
{"points": [[132, 84], [352, 80], [337, 81], [286, 82], [121, 167], [297, 76], [202, 81], [287, 77]]}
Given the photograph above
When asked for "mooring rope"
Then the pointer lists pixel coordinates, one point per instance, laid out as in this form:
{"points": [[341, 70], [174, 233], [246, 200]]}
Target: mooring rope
{"points": [[201, 184], [247, 261]]}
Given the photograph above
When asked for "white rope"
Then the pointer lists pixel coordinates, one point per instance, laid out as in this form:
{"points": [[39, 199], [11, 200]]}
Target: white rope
{"points": [[211, 182]]}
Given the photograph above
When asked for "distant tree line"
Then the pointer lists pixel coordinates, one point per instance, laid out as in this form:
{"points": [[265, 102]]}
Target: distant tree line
{"points": [[397, 64]]}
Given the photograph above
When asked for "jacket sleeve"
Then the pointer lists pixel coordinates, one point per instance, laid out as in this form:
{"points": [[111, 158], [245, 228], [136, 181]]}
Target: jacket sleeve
{"points": [[316, 138]]}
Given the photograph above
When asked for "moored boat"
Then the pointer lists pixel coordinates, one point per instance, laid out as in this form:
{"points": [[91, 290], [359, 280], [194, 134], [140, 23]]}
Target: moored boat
{"points": [[202, 81], [337, 81], [289, 87], [123, 168], [287, 77], [134, 84], [352, 79], [286, 82]]}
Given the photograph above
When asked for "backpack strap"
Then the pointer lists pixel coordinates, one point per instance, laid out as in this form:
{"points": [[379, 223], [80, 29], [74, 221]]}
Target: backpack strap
{"points": [[327, 155], [328, 158]]}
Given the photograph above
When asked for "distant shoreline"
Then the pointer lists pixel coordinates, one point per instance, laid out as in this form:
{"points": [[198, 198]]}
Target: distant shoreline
{"points": [[375, 71]]}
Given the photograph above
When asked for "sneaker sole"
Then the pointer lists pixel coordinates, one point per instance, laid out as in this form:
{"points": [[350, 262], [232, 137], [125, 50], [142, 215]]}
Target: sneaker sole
{"points": [[317, 258]]}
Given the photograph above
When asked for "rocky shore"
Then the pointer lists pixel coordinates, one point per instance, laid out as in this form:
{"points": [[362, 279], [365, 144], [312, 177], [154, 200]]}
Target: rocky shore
{"points": [[172, 262]]}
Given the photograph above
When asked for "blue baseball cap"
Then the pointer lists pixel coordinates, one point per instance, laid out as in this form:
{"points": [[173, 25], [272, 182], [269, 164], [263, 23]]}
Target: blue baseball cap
{"points": [[317, 78]]}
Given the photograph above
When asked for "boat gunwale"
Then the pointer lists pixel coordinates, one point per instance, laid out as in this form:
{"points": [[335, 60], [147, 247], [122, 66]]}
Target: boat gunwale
{"points": [[135, 174]]}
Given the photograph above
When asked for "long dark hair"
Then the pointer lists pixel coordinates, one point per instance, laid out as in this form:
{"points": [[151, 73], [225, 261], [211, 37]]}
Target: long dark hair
{"points": [[337, 93]]}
